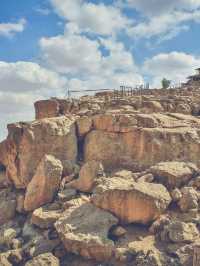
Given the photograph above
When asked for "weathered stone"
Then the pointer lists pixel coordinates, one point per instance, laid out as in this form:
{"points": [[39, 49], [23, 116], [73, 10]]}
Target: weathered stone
{"points": [[84, 125], [176, 194], [131, 201], [46, 259], [67, 194], [142, 147], [178, 232], [45, 218], [146, 178], [7, 205], [4, 182], [88, 176], [118, 231], [44, 184], [27, 143], [189, 199], [83, 230], [173, 174], [46, 109]]}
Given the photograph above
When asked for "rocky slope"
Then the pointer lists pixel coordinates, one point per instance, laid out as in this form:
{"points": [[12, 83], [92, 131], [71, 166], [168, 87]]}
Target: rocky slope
{"points": [[104, 180]]}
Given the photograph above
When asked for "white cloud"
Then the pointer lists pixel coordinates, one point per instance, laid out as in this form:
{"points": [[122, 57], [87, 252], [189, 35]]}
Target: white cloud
{"points": [[158, 7], [163, 19], [21, 84], [71, 53], [175, 66], [9, 29], [95, 18], [27, 77]]}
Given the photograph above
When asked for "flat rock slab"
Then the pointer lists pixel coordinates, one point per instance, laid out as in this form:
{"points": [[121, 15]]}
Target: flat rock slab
{"points": [[130, 201], [84, 230], [174, 174]]}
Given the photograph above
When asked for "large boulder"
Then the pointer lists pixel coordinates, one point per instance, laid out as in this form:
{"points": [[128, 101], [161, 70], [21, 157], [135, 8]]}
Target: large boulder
{"points": [[27, 143], [44, 183], [84, 230], [174, 174], [130, 201], [89, 175], [8, 205]]}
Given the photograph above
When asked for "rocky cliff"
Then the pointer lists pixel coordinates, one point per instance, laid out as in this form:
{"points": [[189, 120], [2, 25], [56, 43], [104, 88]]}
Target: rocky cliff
{"points": [[105, 180]]}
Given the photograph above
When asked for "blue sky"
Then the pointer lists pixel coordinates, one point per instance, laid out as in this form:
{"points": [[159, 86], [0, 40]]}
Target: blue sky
{"points": [[47, 46]]}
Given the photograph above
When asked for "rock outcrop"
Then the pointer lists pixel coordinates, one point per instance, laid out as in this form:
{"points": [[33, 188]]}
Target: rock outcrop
{"points": [[110, 179], [27, 143]]}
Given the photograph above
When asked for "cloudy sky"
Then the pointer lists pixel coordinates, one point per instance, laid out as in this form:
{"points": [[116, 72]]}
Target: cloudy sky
{"points": [[47, 46]]}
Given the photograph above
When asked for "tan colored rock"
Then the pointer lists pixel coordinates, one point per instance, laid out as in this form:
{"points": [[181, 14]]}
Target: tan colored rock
{"points": [[142, 147], [189, 199], [174, 174], [84, 125], [44, 183], [7, 205], [131, 201], [45, 218], [46, 259], [178, 232], [118, 231], [27, 143], [46, 109], [88, 176], [87, 236]]}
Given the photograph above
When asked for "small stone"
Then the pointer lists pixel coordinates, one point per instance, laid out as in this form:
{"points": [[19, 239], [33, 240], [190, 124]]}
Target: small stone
{"points": [[46, 259], [118, 231], [181, 232], [146, 178], [16, 243], [176, 195], [67, 194], [189, 199], [9, 235], [45, 218]]}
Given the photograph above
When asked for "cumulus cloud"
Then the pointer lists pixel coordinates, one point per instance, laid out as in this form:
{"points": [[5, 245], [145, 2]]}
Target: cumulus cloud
{"points": [[157, 7], [163, 19], [89, 17], [175, 66], [84, 63], [10, 29], [22, 83]]}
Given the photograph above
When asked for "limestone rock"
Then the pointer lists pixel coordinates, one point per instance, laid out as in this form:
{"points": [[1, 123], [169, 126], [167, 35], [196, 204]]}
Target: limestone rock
{"points": [[7, 205], [4, 182], [173, 174], [178, 232], [88, 176], [46, 109], [46, 259], [176, 194], [140, 148], [131, 201], [67, 194], [84, 125], [44, 184], [27, 143], [84, 229], [45, 218], [189, 199]]}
